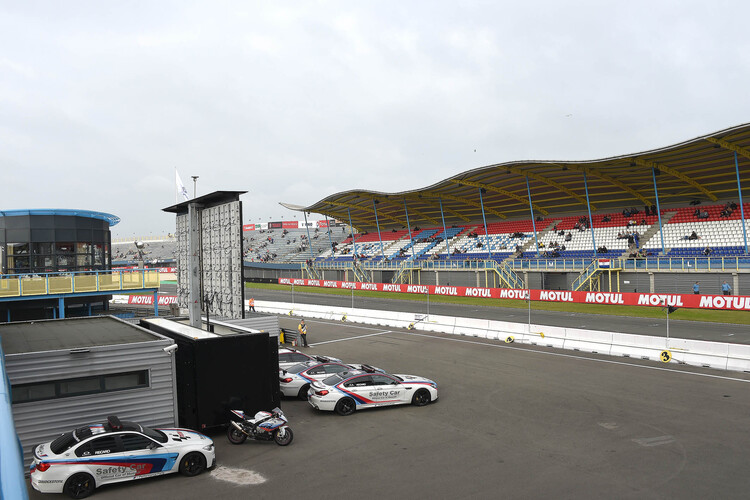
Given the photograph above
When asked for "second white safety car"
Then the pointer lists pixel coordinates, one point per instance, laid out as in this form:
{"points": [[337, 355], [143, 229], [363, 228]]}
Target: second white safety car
{"points": [[295, 380], [349, 391], [290, 357]]}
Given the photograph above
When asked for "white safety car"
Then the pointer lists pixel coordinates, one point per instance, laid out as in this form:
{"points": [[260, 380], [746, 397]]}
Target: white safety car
{"points": [[290, 357], [349, 391], [295, 380], [79, 461]]}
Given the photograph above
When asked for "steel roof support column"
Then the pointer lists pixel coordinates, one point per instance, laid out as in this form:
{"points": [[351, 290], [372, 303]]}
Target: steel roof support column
{"points": [[354, 245], [330, 241], [742, 207], [309, 241], [658, 210], [588, 205], [533, 221], [375, 207], [408, 226], [445, 231], [484, 219]]}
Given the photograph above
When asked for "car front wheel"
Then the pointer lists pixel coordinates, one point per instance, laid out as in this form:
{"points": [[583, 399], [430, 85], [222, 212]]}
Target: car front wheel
{"points": [[421, 398], [79, 485], [192, 464]]}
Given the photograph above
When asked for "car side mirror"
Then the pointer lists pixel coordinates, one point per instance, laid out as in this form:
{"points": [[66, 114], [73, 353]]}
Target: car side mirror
{"points": [[152, 446]]}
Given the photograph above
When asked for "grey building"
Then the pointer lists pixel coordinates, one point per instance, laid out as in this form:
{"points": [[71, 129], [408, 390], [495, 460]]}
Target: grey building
{"points": [[70, 372]]}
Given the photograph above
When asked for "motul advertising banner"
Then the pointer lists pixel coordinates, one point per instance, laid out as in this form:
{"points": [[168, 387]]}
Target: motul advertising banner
{"points": [[734, 303], [148, 300], [248, 227]]}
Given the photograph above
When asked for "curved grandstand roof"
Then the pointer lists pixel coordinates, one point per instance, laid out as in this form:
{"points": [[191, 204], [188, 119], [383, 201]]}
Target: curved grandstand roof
{"points": [[111, 219], [702, 168]]}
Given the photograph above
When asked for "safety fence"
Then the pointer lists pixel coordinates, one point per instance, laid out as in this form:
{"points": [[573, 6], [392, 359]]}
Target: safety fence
{"points": [[658, 264], [718, 355], [24, 285]]}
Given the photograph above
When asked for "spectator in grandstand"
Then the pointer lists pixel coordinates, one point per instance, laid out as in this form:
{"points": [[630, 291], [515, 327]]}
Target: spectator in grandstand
{"points": [[602, 249], [707, 251], [693, 236], [568, 236], [732, 205], [626, 212], [647, 209], [696, 288], [726, 212], [726, 289], [606, 218], [703, 215], [653, 210]]}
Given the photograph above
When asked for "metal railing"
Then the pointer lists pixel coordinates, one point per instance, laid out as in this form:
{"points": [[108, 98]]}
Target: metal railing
{"points": [[665, 264], [586, 275], [25, 285]]}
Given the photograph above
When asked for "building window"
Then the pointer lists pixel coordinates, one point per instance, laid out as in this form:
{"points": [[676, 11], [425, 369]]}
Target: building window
{"points": [[25, 393]]}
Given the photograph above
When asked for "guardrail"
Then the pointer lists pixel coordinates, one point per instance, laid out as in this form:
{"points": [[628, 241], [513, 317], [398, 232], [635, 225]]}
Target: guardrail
{"points": [[26, 285]]}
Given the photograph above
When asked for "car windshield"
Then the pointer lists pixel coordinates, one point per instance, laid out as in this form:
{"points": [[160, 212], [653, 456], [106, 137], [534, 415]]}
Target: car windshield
{"points": [[334, 379], [155, 434], [297, 368]]}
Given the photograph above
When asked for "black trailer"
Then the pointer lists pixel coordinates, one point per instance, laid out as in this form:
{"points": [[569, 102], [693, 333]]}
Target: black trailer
{"points": [[218, 373]]}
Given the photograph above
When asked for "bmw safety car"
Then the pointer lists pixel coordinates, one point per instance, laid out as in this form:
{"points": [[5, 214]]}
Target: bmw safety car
{"points": [[290, 357], [347, 392], [295, 380], [80, 461]]}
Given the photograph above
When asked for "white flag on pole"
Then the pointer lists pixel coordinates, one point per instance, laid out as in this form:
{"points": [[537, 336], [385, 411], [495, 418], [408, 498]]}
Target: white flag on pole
{"points": [[181, 193]]}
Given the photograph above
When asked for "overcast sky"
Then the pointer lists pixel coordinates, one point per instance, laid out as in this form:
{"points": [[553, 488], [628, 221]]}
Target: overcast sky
{"points": [[294, 101]]}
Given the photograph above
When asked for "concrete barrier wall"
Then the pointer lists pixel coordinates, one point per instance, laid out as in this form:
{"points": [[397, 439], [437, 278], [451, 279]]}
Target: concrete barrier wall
{"points": [[718, 355]]}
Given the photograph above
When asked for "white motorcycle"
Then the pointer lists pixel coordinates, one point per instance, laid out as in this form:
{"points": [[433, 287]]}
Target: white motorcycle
{"points": [[266, 426]]}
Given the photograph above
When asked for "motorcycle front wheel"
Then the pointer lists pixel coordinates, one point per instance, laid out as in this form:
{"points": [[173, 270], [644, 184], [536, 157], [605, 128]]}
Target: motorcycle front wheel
{"points": [[285, 439], [235, 435]]}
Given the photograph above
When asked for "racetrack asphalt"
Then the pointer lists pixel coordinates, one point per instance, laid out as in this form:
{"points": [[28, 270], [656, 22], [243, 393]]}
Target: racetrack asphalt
{"points": [[694, 330], [512, 421]]}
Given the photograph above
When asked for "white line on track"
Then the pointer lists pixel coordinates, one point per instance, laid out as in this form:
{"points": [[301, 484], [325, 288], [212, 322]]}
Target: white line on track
{"points": [[339, 323], [351, 338], [500, 346]]}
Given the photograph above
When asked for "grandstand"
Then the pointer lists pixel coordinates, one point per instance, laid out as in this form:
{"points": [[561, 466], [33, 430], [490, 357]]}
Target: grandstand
{"points": [[667, 211], [157, 250]]}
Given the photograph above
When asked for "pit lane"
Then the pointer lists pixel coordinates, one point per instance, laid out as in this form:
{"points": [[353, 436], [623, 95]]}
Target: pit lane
{"points": [[512, 421]]}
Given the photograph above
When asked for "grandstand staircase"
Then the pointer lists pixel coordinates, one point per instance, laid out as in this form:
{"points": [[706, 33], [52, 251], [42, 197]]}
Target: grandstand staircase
{"points": [[311, 272], [360, 274], [591, 276], [531, 244], [403, 274], [645, 237], [507, 276]]}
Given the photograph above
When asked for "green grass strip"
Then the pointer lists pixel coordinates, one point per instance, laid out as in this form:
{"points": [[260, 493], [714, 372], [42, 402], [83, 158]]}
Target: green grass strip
{"points": [[708, 315]]}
